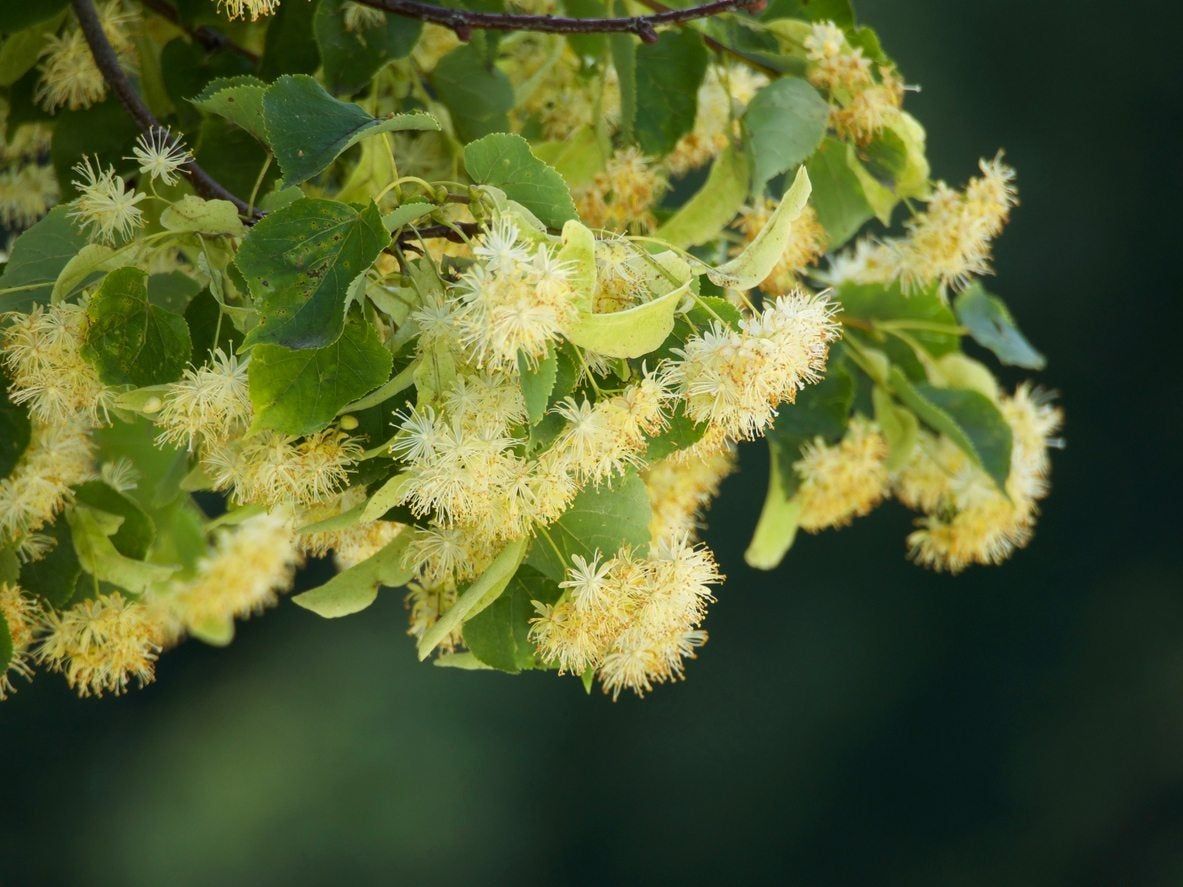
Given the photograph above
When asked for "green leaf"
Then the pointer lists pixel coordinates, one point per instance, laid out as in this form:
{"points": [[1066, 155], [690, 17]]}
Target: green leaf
{"points": [[233, 157], [624, 60], [308, 129], [682, 432], [136, 531], [838, 195], [480, 594], [784, 123], [537, 384], [505, 161], [299, 263], [298, 391], [968, 418], [759, 257], [54, 577], [352, 57], [354, 589], [888, 303], [631, 333], [129, 340], [838, 11], [237, 99], [476, 93], [290, 46], [668, 75], [990, 324], [194, 215], [606, 519], [15, 430], [37, 258], [579, 252], [499, 634], [104, 132], [90, 262], [20, 50], [385, 498], [777, 527], [576, 158], [899, 426], [715, 204], [92, 530], [405, 214], [172, 290]]}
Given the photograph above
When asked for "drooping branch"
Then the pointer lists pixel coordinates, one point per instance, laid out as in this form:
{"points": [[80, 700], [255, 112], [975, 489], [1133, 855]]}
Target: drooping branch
{"points": [[463, 22], [210, 38], [107, 62]]}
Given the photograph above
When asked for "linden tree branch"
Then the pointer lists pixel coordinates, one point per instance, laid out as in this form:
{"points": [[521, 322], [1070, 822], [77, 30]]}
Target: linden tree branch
{"points": [[107, 62], [463, 22]]}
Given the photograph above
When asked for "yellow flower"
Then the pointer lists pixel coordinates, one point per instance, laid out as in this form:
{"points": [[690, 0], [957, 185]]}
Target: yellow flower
{"points": [[105, 205], [622, 195], [27, 192], [842, 481], [102, 644], [22, 614], [42, 351], [251, 9], [210, 404]]}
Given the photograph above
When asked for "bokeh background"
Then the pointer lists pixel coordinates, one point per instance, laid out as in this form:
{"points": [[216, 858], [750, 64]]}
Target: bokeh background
{"points": [[854, 719]]}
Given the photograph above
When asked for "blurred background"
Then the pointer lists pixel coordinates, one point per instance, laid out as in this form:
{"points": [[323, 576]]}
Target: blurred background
{"points": [[854, 719]]}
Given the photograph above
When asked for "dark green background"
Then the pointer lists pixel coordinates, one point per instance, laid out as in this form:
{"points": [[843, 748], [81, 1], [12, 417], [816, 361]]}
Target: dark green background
{"points": [[854, 719]]}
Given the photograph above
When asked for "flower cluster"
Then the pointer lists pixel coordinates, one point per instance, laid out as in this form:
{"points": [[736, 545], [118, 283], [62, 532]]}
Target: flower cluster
{"points": [[967, 518], [632, 620], [864, 98]]}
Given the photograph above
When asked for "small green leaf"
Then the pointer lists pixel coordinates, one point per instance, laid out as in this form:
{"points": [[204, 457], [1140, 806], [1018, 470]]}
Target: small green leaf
{"points": [[308, 129], [784, 123], [838, 11], [351, 57], [668, 74], [299, 263], [405, 214], [480, 594], [899, 426], [537, 384], [606, 519], [760, 256], [990, 324], [838, 195], [298, 391], [38, 256], [968, 418], [576, 158], [191, 214], [715, 204], [385, 498], [777, 527], [129, 340], [624, 60], [633, 332], [500, 634], [92, 531], [935, 327], [90, 262], [579, 252], [476, 93], [505, 161], [136, 531], [19, 52], [237, 99], [680, 433], [354, 589]]}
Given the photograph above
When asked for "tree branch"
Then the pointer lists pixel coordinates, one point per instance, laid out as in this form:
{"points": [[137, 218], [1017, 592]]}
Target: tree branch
{"points": [[464, 22], [107, 62], [208, 37]]}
